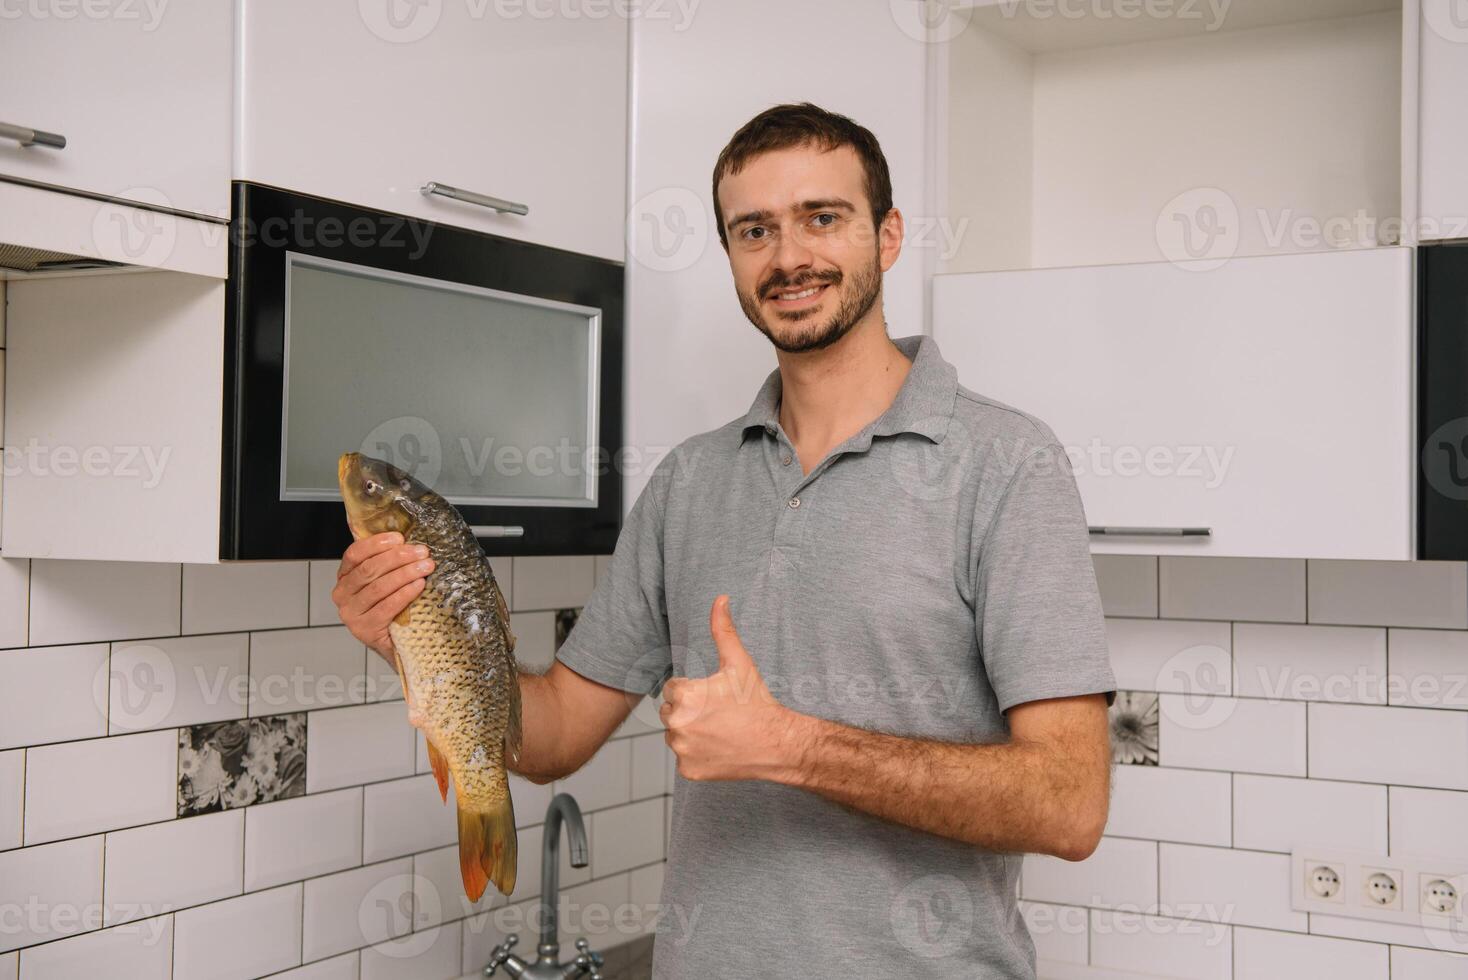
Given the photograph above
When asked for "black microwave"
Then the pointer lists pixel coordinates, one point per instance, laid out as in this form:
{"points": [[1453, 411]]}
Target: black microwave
{"points": [[489, 368]]}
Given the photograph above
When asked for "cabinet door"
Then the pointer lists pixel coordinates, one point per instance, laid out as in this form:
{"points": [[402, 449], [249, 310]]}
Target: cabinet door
{"points": [[141, 91], [352, 102], [1442, 137], [1269, 400]]}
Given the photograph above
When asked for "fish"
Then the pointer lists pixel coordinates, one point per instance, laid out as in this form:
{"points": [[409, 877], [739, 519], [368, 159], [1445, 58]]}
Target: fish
{"points": [[455, 658]]}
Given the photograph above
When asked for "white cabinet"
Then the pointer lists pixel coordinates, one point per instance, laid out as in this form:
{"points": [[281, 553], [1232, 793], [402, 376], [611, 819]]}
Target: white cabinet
{"points": [[140, 91], [517, 101], [1268, 399], [1443, 80]]}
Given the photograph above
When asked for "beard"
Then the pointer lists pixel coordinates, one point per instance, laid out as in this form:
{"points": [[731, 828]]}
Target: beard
{"points": [[866, 285]]}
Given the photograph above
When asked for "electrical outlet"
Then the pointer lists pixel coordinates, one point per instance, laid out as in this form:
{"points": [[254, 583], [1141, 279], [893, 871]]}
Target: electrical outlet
{"points": [[1382, 888], [1441, 894], [1325, 881], [1426, 892]]}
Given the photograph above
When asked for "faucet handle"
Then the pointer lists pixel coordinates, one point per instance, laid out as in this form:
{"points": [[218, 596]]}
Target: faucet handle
{"points": [[501, 953], [588, 960]]}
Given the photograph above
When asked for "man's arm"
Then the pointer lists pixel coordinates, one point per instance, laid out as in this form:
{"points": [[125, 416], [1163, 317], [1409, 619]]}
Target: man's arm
{"points": [[565, 717], [1046, 790]]}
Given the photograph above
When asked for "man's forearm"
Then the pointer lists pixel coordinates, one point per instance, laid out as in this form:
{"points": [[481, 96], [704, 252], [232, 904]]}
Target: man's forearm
{"points": [[564, 719], [1012, 796]]}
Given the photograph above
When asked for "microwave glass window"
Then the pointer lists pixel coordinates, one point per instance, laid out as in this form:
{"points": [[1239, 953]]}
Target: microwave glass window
{"points": [[486, 396]]}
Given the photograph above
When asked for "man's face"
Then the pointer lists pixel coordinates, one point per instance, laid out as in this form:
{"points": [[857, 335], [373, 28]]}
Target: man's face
{"points": [[806, 256]]}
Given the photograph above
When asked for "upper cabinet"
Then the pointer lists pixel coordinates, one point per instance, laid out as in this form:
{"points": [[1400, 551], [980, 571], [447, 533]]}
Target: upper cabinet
{"points": [[138, 93], [1443, 80], [369, 103]]}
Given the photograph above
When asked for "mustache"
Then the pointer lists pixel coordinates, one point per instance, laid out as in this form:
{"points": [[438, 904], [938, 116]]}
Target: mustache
{"points": [[780, 282]]}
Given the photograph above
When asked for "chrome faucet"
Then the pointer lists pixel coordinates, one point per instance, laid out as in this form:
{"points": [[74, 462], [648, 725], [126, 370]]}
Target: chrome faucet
{"points": [[562, 808]]}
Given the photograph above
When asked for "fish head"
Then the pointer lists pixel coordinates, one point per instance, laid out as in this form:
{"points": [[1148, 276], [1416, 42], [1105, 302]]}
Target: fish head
{"points": [[378, 496]]}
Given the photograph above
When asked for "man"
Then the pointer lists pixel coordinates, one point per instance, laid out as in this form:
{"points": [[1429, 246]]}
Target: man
{"points": [[915, 692]]}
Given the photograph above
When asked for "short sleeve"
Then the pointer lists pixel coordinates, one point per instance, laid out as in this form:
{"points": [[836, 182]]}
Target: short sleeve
{"points": [[621, 637], [1042, 632]]}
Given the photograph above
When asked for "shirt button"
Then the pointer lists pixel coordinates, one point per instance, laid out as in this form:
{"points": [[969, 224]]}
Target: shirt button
{"points": [[794, 502], [784, 460]]}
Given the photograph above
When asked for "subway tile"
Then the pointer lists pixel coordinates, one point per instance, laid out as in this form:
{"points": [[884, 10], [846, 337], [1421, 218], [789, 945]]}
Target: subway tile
{"points": [[1263, 589], [86, 601], [591, 910], [1311, 663], [1059, 932], [359, 744], [604, 781], [239, 938], [320, 580], [1128, 584], [1263, 954], [482, 932], [438, 884], [245, 596], [80, 788], [300, 669], [1388, 932], [15, 587], [309, 835], [137, 951], [1366, 743], [1428, 822], [405, 816], [1149, 945], [1170, 655], [342, 967], [430, 955], [1389, 593], [1279, 813], [1429, 668], [1119, 872], [356, 908], [1222, 885], [649, 765], [1427, 964], [627, 837], [530, 800], [643, 718], [535, 640], [174, 864], [59, 884], [12, 800], [174, 682], [1157, 803], [9, 962], [1237, 734], [552, 581], [73, 680], [645, 893]]}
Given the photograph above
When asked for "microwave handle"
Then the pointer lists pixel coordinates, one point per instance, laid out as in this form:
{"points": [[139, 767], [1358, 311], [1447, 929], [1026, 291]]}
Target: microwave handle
{"points": [[494, 203], [497, 530], [1153, 532]]}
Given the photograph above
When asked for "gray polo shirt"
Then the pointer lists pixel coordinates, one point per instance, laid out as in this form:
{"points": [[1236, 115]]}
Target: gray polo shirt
{"points": [[930, 573]]}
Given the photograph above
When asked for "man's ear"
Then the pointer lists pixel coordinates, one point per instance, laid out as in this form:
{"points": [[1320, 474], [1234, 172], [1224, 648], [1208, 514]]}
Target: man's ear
{"points": [[889, 237]]}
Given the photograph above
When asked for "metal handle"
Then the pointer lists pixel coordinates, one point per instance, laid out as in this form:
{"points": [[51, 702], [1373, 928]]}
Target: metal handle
{"points": [[1153, 532], [496, 203], [497, 530], [26, 136]]}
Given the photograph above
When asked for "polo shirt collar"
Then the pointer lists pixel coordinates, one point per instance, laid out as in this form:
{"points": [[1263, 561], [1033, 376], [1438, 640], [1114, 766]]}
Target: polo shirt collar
{"points": [[924, 403]]}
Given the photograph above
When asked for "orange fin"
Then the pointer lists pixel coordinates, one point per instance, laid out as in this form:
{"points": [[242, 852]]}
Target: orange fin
{"points": [[405, 617], [440, 770], [513, 732], [487, 848]]}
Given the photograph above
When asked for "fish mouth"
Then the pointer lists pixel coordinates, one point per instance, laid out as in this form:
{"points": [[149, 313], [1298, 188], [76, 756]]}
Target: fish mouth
{"points": [[346, 466]]}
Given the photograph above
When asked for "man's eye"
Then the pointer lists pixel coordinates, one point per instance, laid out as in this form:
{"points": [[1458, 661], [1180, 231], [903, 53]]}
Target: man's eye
{"points": [[821, 222], [756, 233]]}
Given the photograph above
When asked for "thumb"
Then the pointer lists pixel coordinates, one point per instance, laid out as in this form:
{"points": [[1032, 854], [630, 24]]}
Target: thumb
{"points": [[726, 637]]}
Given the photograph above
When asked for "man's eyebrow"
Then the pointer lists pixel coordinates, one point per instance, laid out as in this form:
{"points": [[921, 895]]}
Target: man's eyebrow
{"points": [[817, 204]]}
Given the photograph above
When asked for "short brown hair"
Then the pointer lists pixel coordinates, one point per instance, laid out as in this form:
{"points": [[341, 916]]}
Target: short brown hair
{"points": [[790, 125]]}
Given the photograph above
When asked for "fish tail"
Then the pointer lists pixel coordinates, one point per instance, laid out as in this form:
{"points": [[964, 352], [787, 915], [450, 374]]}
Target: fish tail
{"points": [[487, 847]]}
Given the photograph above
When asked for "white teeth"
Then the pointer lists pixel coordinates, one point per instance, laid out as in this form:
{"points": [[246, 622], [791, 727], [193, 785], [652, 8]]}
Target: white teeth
{"points": [[802, 294]]}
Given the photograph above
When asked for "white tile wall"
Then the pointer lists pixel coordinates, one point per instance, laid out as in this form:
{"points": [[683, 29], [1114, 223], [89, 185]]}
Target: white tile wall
{"points": [[1060, 932], [1275, 813], [1429, 668], [1187, 805], [1120, 873], [552, 582], [342, 967], [1422, 964], [166, 683], [12, 799], [357, 908], [1390, 593], [86, 601], [1428, 822], [301, 837], [138, 951], [1262, 954], [1313, 663], [1264, 589], [320, 610], [1366, 743], [80, 788], [604, 781], [173, 864], [1170, 655], [245, 596], [1128, 584], [404, 816], [1239, 734], [359, 744], [55, 889], [627, 837], [299, 669], [535, 640], [75, 706], [1158, 946], [15, 574], [1225, 885], [434, 954], [249, 936]]}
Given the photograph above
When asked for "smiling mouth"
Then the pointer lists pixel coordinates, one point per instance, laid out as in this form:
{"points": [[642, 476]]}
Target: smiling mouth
{"points": [[799, 296]]}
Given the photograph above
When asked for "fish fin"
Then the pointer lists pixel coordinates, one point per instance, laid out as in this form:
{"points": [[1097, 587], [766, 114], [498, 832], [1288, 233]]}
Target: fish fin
{"points": [[487, 848], [499, 598], [513, 733], [440, 769], [405, 617]]}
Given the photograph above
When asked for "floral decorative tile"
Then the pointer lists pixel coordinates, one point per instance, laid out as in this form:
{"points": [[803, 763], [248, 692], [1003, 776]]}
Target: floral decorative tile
{"points": [[565, 620], [229, 764], [1134, 728]]}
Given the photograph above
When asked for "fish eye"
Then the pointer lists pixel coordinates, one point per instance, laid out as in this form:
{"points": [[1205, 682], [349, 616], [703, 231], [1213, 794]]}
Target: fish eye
{"points": [[373, 486], [405, 484]]}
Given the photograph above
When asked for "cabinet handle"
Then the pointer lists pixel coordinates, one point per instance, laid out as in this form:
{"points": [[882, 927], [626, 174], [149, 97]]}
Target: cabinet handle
{"points": [[497, 530], [494, 203], [26, 136], [1153, 532]]}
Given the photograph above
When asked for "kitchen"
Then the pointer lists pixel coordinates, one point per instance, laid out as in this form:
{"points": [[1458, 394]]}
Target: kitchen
{"points": [[1211, 246]]}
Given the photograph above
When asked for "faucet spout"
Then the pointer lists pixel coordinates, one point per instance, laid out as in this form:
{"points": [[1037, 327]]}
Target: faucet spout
{"points": [[563, 809]]}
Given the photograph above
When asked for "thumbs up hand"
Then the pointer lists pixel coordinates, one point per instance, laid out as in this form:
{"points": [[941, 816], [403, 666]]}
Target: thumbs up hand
{"points": [[728, 725]]}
